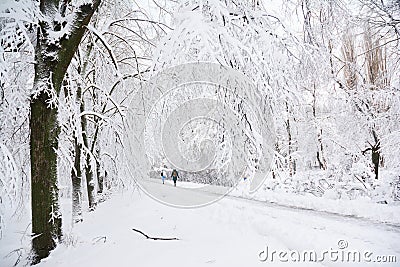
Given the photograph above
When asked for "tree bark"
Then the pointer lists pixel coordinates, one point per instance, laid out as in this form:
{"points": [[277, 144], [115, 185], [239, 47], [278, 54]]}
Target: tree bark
{"points": [[376, 157], [96, 148], [76, 172], [320, 148], [52, 58], [46, 218], [76, 176], [100, 178], [292, 162], [376, 154], [90, 184], [375, 161]]}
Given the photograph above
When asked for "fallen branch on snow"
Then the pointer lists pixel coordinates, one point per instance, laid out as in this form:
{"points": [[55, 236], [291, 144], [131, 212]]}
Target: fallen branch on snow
{"points": [[154, 238], [18, 251], [99, 238]]}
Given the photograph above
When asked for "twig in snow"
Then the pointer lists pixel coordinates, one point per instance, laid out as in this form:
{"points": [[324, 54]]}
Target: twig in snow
{"points": [[18, 251], [155, 238], [97, 239]]}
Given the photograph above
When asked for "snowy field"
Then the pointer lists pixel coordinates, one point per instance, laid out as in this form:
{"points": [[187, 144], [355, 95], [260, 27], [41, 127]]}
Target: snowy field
{"points": [[299, 100], [231, 232]]}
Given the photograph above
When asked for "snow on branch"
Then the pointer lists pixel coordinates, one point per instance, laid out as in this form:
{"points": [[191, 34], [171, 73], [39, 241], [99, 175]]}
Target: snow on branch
{"points": [[9, 178], [114, 102], [84, 113], [159, 24], [106, 45]]}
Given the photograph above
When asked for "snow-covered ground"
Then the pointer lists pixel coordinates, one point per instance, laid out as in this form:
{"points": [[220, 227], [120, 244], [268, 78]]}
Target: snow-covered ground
{"points": [[231, 232], [362, 207]]}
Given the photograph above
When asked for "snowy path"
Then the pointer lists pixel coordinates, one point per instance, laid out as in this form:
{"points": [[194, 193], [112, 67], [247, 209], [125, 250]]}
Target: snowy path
{"points": [[230, 232]]}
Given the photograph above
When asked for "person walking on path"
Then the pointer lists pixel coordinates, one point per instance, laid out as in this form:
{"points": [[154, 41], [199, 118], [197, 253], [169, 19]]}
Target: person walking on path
{"points": [[163, 176], [174, 176]]}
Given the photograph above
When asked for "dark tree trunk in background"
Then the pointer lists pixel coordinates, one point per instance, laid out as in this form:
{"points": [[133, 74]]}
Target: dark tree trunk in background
{"points": [[375, 153], [76, 172], [51, 62], [375, 161], [320, 148], [292, 162], [76, 176], [96, 147], [100, 178], [90, 184]]}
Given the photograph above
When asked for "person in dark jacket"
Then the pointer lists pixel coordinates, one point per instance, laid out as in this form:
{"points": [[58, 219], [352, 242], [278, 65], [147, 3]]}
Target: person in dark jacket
{"points": [[174, 176]]}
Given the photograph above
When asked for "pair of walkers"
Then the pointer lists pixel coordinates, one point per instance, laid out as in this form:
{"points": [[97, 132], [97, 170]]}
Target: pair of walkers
{"points": [[174, 176]]}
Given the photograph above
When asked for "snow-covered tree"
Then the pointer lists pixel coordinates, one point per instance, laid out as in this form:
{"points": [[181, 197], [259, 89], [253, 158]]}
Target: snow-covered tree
{"points": [[61, 26]]}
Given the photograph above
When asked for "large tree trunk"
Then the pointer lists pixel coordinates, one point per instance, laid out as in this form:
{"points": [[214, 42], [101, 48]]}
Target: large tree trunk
{"points": [[52, 58], [46, 218]]}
